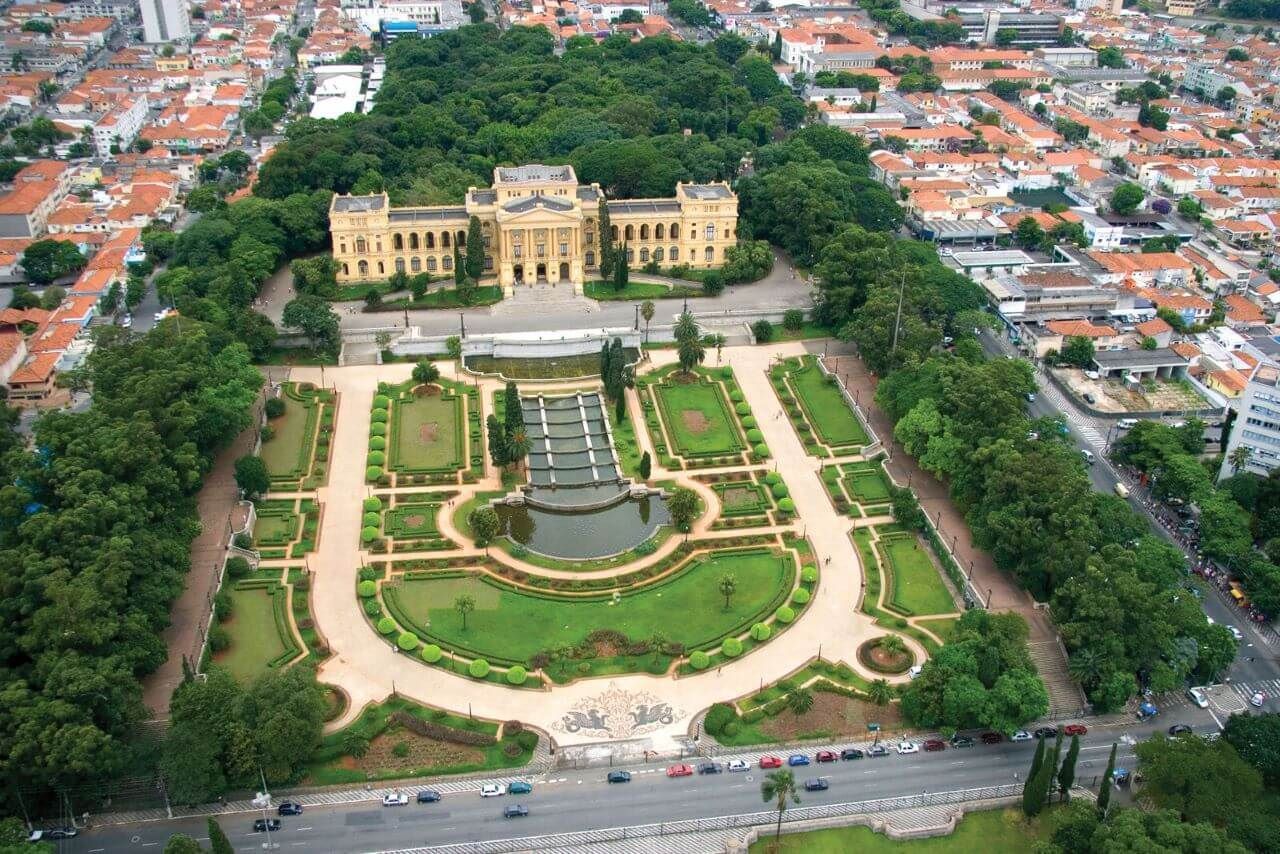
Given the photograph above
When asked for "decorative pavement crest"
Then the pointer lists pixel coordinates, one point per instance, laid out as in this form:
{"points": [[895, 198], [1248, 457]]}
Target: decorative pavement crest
{"points": [[617, 713]]}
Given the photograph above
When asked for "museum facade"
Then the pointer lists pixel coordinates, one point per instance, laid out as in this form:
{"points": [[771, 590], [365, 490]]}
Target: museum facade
{"points": [[539, 225]]}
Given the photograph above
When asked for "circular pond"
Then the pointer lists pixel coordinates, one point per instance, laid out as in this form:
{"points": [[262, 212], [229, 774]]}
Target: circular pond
{"points": [[584, 534]]}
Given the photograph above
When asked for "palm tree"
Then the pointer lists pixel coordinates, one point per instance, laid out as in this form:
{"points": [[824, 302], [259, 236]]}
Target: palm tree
{"points": [[893, 644], [800, 701], [646, 311], [728, 586], [1084, 666], [880, 692], [464, 605], [1239, 458], [518, 446], [657, 642], [686, 328], [780, 788], [690, 353]]}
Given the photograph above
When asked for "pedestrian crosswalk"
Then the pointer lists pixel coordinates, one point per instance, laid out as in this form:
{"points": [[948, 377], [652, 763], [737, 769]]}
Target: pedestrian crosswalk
{"points": [[1228, 697]]}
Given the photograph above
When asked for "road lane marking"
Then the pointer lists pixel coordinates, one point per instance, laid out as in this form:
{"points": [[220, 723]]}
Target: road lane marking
{"points": [[300, 829]]}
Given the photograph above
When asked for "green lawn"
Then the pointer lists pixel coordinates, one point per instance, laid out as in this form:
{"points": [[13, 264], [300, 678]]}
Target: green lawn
{"points": [[446, 298], [868, 486], [255, 641], [560, 367], [943, 627], [917, 583], [987, 832], [411, 520], [275, 526], [425, 435], [637, 291], [510, 625], [698, 417], [288, 453], [825, 407], [742, 498]]}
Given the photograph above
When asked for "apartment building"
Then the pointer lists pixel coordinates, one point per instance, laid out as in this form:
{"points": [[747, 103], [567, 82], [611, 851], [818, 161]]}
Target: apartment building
{"points": [[1258, 425], [120, 126], [165, 20]]}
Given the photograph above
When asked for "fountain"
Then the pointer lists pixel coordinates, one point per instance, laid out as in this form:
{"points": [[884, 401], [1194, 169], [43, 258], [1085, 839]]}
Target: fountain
{"points": [[577, 505]]}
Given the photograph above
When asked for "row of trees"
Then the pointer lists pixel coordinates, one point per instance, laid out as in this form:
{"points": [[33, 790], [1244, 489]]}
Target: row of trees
{"points": [[508, 440]]}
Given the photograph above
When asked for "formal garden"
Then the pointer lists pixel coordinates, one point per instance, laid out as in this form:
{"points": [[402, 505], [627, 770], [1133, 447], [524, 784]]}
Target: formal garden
{"points": [[295, 440], [253, 629], [859, 489], [286, 528], [750, 498], [827, 425], [423, 433], [699, 418]]}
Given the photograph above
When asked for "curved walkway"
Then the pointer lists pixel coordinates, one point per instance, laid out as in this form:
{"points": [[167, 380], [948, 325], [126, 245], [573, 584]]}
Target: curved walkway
{"points": [[369, 668]]}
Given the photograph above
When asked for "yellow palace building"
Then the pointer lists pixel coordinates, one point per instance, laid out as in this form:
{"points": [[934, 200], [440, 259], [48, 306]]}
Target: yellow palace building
{"points": [[539, 225]]}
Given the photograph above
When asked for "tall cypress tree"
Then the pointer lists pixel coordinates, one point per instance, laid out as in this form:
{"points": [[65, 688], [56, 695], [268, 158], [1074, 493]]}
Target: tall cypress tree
{"points": [[621, 273], [1104, 791], [605, 355], [475, 249], [1067, 774], [1050, 771], [459, 265], [1029, 790], [620, 409], [606, 240], [218, 842], [617, 363], [513, 418], [497, 441]]}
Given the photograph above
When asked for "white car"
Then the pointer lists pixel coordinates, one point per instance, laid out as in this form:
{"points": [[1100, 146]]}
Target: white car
{"points": [[395, 799], [492, 790], [739, 765], [908, 747], [1198, 697], [1235, 633], [1021, 735], [1257, 699]]}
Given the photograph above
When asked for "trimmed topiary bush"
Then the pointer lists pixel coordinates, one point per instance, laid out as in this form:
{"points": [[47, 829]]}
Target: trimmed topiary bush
{"points": [[368, 535], [372, 520], [376, 458], [717, 716], [478, 668], [736, 396], [381, 401], [407, 641], [761, 631], [367, 588], [377, 443], [780, 490], [386, 626], [770, 478], [801, 596], [754, 436], [516, 675], [785, 614], [748, 421], [786, 505], [372, 607], [372, 473], [378, 416], [809, 574], [699, 660], [372, 504], [731, 648], [431, 653], [742, 408], [761, 451], [377, 429], [726, 372]]}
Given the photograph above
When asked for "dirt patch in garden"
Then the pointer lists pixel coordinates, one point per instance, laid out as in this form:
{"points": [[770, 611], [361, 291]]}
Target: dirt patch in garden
{"points": [[416, 521], [423, 753], [739, 496], [605, 649], [428, 432], [427, 390], [889, 660], [837, 715], [694, 421]]}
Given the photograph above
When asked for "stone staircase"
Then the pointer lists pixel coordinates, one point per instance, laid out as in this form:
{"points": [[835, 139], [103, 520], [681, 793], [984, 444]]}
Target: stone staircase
{"points": [[539, 298], [1065, 697]]}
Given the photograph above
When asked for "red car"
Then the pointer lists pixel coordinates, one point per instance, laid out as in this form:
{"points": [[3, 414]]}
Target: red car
{"points": [[680, 771], [826, 756], [935, 744], [1075, 729], [991, 738], [770, 762]]}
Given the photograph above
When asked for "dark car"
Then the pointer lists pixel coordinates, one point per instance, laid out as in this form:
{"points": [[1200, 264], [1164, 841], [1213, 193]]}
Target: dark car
{"points": [[519, 787], [933, 745], [991, 738], [958, 740], [817, 784], [877, 750], [619, 777], [826, 756], [428, 796], [851, 753], [515, 811], [710, 768], [1179, 729], [60, 833], [1046, 732], [264, 824], [289, 808]]}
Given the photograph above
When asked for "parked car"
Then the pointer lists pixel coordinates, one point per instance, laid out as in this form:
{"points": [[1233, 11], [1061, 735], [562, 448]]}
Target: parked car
{"points": [[619, 777], [261, 825], [933, 745], [428, 796], [1031, 397], [67, 832], [1021, 735], [1046, 732], [959, 740], [519, 787], [906, 746], [816, 784], [877, 750], [515, 811], [1179, 729], [395, 799], [1236, 633], [1075, 729], [492, 790], [681, 770], [289, 808], [991, 737], [739, 765], [826, 756], [797, 759], [1198, 697], [770, 762], [851, 753]]}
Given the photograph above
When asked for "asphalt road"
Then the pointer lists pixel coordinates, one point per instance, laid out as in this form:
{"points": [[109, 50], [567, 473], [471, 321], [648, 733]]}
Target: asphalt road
{"points": [[582, 800]]}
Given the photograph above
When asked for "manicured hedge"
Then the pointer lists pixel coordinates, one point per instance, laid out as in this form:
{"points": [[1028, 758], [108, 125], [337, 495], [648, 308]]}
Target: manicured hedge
{"points": [[731, 648], [431, 653], [785, 614], [699, 660], [367, 589], [372, 505], [407, 641], [516, 675], [761, 632], [478, 668], [386, 626]]}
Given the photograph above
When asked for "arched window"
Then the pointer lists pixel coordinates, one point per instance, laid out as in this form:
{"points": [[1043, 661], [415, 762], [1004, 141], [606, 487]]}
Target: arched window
{"points": [[462, 239], [591, 258], [431, 240], [675, 253], [711, 231], [431, 264], [413, 240], [710, 253], [399, 265], [345, 271], [674, 231], [644, 255], [630, 233], [444, 239], [613, 233], [447, 261], [415, 264], [657, 253], [342, 247], [361, 246], [644, 231], [488, 262], [397, 242], [659, 232], [382, 269], [363, 267]]}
